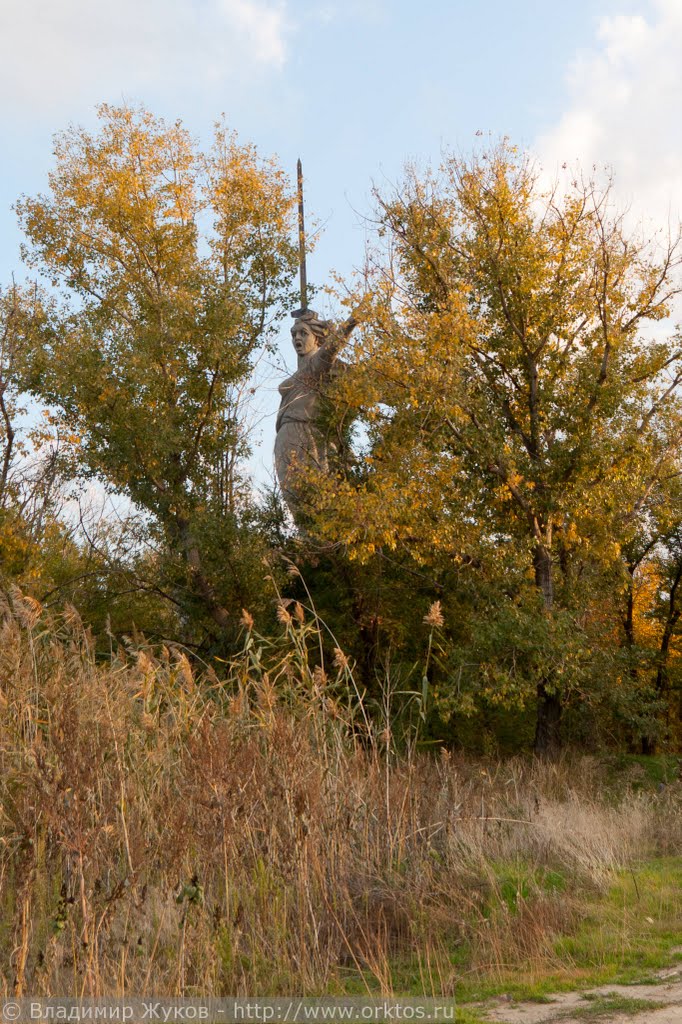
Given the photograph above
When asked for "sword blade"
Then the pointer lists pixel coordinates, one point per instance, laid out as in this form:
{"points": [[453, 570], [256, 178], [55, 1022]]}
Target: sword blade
{"points": [[301, 240]]}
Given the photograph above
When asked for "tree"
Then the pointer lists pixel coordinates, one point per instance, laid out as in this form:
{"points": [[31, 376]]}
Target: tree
{"points": [[653, 618], [33, 459], [512, 408], [669, 612], [172, 266]]}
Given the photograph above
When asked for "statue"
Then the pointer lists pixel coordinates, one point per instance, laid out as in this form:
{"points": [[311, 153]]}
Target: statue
{"points": [[300, 442]]}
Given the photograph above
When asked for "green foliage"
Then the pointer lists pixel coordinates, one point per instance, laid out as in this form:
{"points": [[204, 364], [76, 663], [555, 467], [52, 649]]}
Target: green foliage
{"points": [[516, 419], [35, 461], [508, 435], [174, 264]]}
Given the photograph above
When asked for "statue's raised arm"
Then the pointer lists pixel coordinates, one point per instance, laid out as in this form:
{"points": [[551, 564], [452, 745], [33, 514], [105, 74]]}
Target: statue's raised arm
{"points": [[332, 340]]}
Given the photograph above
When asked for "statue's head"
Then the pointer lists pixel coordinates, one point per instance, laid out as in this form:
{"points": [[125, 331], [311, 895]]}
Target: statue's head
{"points": [[308, 333]]}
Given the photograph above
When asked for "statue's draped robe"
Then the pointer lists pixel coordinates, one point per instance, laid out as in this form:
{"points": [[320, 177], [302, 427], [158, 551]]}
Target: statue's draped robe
{"points": [[299, 442]]}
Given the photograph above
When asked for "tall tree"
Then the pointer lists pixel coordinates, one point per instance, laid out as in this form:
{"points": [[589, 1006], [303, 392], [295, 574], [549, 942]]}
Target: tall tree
{"points": [[173, 264], [511, 403]]}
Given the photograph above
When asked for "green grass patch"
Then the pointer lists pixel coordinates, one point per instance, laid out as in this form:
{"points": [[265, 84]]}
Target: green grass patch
{"points": [[631, 931], [624, 936], [468, 1015], [521, 881], [611, 1003], [642, 771]]}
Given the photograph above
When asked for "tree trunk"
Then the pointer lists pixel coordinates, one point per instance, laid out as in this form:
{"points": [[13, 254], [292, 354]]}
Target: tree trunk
{"points": [[547, 741], [367, 624], [648, 745], [670, 622], [202, 586], [629, 622], [662, 681], [9, 445], [637, 743]]}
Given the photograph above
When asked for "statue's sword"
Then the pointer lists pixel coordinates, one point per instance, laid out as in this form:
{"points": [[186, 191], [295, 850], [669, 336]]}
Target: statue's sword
{"points": [[301, 246]]}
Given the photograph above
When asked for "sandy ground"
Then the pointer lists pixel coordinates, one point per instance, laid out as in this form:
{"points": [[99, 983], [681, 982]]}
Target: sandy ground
{"points": [[562, 1007]]}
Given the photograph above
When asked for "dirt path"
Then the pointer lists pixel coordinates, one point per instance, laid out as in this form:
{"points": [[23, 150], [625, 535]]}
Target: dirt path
{"points": [[612, 1004]]}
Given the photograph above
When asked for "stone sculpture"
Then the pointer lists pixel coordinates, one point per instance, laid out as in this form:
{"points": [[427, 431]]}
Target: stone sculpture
{"points": [[300, 442]]}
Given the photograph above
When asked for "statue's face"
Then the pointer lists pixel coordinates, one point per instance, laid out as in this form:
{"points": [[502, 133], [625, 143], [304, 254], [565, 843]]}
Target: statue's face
{"points": [[303, 338]]}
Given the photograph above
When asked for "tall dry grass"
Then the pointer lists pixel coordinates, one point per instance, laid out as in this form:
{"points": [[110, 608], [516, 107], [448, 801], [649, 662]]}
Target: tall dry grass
{"points": [[254, 833]]}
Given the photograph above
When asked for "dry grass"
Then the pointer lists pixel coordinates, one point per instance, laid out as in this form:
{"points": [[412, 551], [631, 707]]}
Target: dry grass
{"points": [[253, 834]]}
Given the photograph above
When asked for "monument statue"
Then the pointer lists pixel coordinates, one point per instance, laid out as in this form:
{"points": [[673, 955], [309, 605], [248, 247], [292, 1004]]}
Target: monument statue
{"points": [[300, 441]]}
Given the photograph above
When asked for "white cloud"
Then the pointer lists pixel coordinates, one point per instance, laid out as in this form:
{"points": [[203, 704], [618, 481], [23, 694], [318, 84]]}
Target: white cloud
{"points": [[624, 110], [359, 12], [53, 52], [261, 25]]}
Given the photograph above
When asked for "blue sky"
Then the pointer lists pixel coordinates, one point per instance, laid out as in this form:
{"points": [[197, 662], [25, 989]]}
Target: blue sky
{"points": [[355, 89]]}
